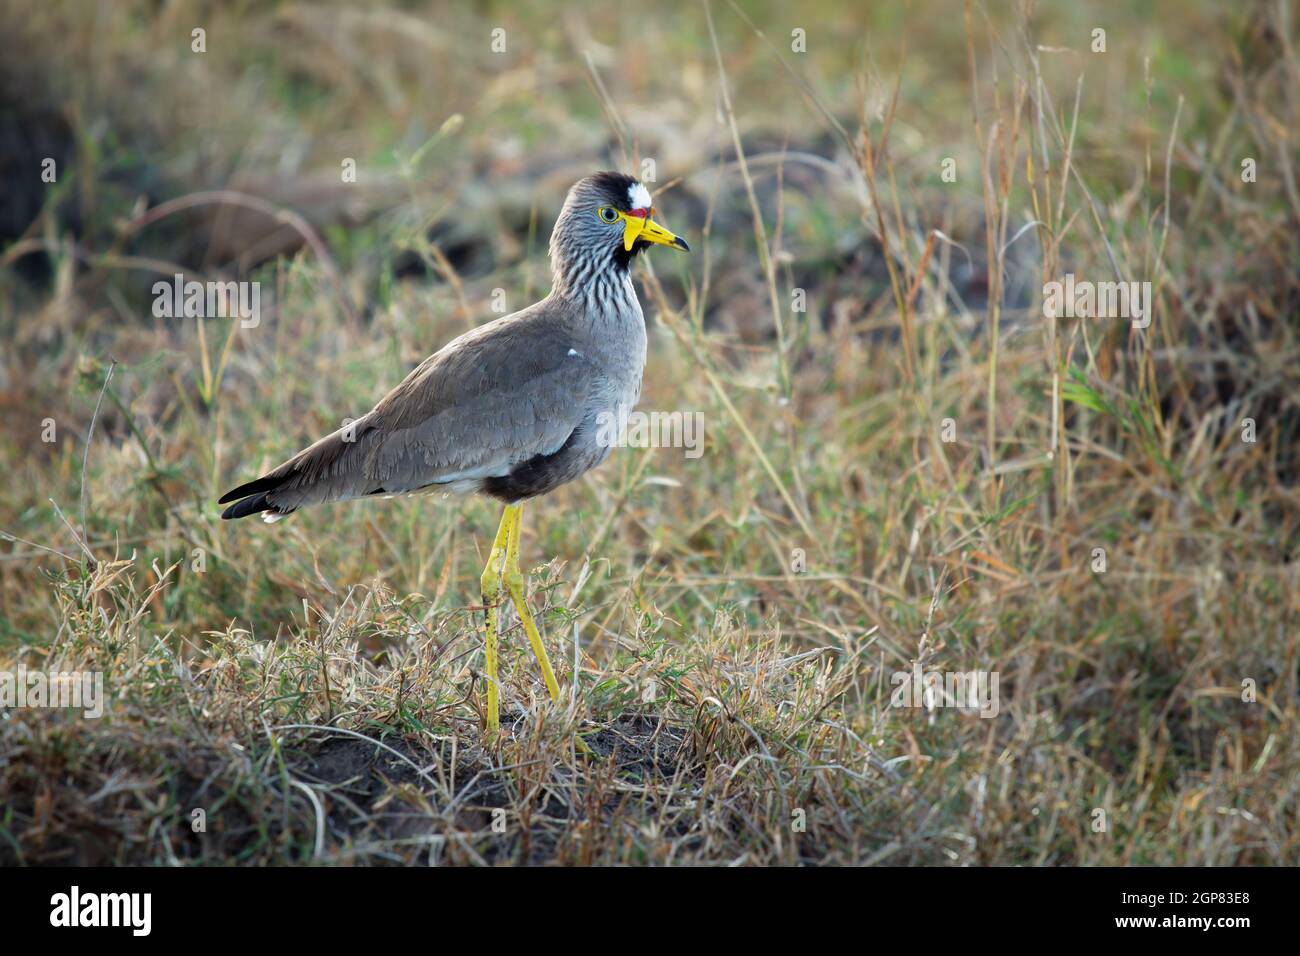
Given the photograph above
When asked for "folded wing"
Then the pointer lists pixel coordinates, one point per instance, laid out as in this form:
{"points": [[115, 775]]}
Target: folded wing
{"points": [[488, 401]]}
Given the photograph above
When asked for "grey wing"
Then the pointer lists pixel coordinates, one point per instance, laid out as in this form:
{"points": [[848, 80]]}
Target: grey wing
{"points": [[501, 396], [488, 401]]}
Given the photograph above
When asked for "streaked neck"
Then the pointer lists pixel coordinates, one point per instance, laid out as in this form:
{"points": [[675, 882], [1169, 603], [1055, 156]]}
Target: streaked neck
{"points": [[598, 284]]}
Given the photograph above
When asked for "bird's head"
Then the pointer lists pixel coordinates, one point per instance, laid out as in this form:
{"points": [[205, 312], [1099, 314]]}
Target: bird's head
{"points": [[607, 219]]}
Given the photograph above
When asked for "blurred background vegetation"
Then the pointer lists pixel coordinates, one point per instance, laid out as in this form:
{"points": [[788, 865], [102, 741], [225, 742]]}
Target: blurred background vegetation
{"points": [[814, 171]]}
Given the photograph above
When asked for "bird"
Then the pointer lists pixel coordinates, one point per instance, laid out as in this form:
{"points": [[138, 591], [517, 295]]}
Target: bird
{"points": [[511, 409]]}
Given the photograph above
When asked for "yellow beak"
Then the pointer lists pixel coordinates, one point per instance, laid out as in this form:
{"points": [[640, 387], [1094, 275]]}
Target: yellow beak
{"points": [[635, 227]]}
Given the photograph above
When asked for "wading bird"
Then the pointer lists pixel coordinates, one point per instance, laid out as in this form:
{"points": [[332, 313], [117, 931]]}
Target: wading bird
{"points": [[510, 409]]}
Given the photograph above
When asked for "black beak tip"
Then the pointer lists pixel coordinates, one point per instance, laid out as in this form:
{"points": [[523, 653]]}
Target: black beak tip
{"points": [[681, 244]]}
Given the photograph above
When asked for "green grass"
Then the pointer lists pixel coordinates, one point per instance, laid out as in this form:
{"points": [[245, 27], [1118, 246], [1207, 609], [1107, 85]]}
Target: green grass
{"points": [[314, 686]]}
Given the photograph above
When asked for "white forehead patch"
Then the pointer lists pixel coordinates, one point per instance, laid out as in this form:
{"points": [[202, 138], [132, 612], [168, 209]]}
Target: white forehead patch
{"points": [[638, 196]]}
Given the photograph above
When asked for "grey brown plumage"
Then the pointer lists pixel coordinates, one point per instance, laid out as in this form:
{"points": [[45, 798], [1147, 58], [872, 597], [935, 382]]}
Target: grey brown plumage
{"points": [[509, 409]]}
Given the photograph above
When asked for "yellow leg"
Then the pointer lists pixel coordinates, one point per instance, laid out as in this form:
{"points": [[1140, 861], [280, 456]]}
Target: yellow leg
{"points": [[491, 589], [514, 581]]}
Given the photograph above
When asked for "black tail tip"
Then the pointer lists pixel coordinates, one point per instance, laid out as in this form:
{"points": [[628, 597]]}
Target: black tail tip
{"points": [[249, 506]]}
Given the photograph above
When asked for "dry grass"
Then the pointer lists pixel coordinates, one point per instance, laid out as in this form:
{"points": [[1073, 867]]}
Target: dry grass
{"points": [[313, 687]]}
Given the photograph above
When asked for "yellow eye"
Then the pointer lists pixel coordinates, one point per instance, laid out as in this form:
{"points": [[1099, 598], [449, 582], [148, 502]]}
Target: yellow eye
{"points": [[608, 214]]}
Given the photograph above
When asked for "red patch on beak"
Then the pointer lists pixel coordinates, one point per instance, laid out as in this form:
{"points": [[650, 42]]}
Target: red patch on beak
{"points": [[641, 213]]}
